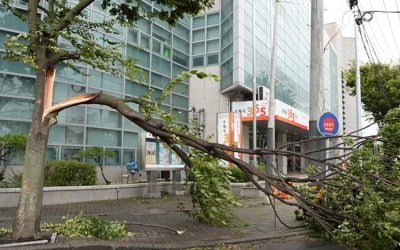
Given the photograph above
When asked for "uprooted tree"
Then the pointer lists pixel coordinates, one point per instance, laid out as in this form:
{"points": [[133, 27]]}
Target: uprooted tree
{"points": [[366, 173]]}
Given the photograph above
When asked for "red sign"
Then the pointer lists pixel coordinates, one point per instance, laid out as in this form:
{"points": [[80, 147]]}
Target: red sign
{"points": [[328, 124]]}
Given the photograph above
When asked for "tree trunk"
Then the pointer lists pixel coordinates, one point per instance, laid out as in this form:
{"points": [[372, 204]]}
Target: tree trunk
{"points": [[3, 171], [27, 220], [102, 174]]}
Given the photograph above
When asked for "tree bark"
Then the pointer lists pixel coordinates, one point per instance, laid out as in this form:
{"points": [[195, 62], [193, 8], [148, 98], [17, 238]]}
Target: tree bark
{"points": [[103, 175], [27, 220]]}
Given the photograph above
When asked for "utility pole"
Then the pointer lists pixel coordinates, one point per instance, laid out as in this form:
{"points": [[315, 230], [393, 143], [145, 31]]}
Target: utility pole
{"points": [[358, 81], [271, 103], [316, 77], [254, 85]]}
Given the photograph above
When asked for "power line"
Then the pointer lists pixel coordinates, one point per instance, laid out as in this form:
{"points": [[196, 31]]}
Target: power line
{"points": [[378, 24], [337, 31], [367, 46], [369, 43], [363, 42], [371, 39], [377, 78], [390, 25], [398, 9]]}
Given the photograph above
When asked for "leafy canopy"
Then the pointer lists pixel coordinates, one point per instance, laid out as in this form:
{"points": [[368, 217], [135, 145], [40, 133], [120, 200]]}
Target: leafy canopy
{"points": [[97, 154], [366, 192], [64, 31], [10, 143], [380, 84]]}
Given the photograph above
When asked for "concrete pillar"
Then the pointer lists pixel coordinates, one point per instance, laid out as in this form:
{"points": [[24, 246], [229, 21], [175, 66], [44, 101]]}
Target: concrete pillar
{"points": [[282, 160], [152, 191], [176, 182], [303, 150], [245, 140]]}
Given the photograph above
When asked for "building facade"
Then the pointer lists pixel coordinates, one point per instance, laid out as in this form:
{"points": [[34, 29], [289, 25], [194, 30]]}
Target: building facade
{"points": [[238, 66], [220, 41]]}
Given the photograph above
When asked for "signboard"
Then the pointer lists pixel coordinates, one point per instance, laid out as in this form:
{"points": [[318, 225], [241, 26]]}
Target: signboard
{"points": [[163, 154], [283, 112], [290, 115], [246, 110], [224, 128], [328, 124], [229, 130], [237, 133], [151, 149]]}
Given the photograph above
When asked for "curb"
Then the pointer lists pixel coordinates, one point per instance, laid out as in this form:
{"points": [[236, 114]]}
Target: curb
{"points": [[112, 245]]}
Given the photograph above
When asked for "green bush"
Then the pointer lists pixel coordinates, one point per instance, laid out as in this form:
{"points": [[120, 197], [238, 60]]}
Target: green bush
{"points": [[69, 173], [238, 175]]}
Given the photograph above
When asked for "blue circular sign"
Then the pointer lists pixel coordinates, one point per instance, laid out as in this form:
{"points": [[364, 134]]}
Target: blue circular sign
{"points": [[328, 124]]}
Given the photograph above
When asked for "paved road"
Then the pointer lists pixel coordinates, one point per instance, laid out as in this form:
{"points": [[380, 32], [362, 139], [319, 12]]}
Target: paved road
{"points": [[300, 242], [257, 220]]}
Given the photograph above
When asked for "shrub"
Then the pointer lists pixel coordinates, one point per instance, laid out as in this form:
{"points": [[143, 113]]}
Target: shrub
{"points": [[238, 175], [69, 173]]}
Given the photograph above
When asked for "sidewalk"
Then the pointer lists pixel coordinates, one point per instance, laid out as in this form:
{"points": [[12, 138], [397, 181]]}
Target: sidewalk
{"points": [[257, 223]]}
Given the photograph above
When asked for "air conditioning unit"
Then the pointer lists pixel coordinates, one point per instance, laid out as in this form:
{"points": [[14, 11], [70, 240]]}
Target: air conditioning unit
{"points": [[262, 93]]}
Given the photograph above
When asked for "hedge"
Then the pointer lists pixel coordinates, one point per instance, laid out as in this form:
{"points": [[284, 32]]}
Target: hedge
{"points": [[70, 173]]}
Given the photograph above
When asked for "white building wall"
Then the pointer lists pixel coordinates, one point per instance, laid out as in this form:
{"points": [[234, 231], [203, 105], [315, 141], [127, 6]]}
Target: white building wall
{"points": [[205, 94], [345, 53]]}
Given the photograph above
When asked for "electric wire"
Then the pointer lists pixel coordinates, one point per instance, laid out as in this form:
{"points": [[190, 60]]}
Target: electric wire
{"points": [[364, 43], [391, 27], [338, 30], [372, 38], [382, 34], [369, 43], [377, 78], [398, 9]]}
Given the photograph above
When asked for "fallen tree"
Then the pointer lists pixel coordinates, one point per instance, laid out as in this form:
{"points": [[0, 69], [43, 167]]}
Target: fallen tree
{"points": [[349, 175]]}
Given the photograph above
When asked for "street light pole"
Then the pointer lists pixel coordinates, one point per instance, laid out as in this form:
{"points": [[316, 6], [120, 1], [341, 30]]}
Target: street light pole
{"points": [[316, 79], [254, 84], [271, 102], [358, 81]]}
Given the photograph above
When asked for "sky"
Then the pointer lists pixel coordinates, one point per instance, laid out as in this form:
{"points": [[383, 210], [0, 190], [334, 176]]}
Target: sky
{"points": [[383, 30]]}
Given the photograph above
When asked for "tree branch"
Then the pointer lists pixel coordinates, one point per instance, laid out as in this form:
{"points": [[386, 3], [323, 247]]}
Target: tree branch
{"points": [[51, 13], [64, 22], [73, 101], [63, 57], [44, 10], [33, 21], [322, 215]]}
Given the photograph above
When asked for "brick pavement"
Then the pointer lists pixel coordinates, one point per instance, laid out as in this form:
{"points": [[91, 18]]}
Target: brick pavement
{"points": [[256, 222]]}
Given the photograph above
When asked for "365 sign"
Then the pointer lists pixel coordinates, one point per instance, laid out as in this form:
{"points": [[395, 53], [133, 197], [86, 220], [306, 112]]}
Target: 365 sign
{"points": [[328, 124], [246, 110]]}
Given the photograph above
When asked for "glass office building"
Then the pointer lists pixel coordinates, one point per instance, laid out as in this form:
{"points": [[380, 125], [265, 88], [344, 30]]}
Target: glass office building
{"points": [[162, 52], [219, 38]]}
